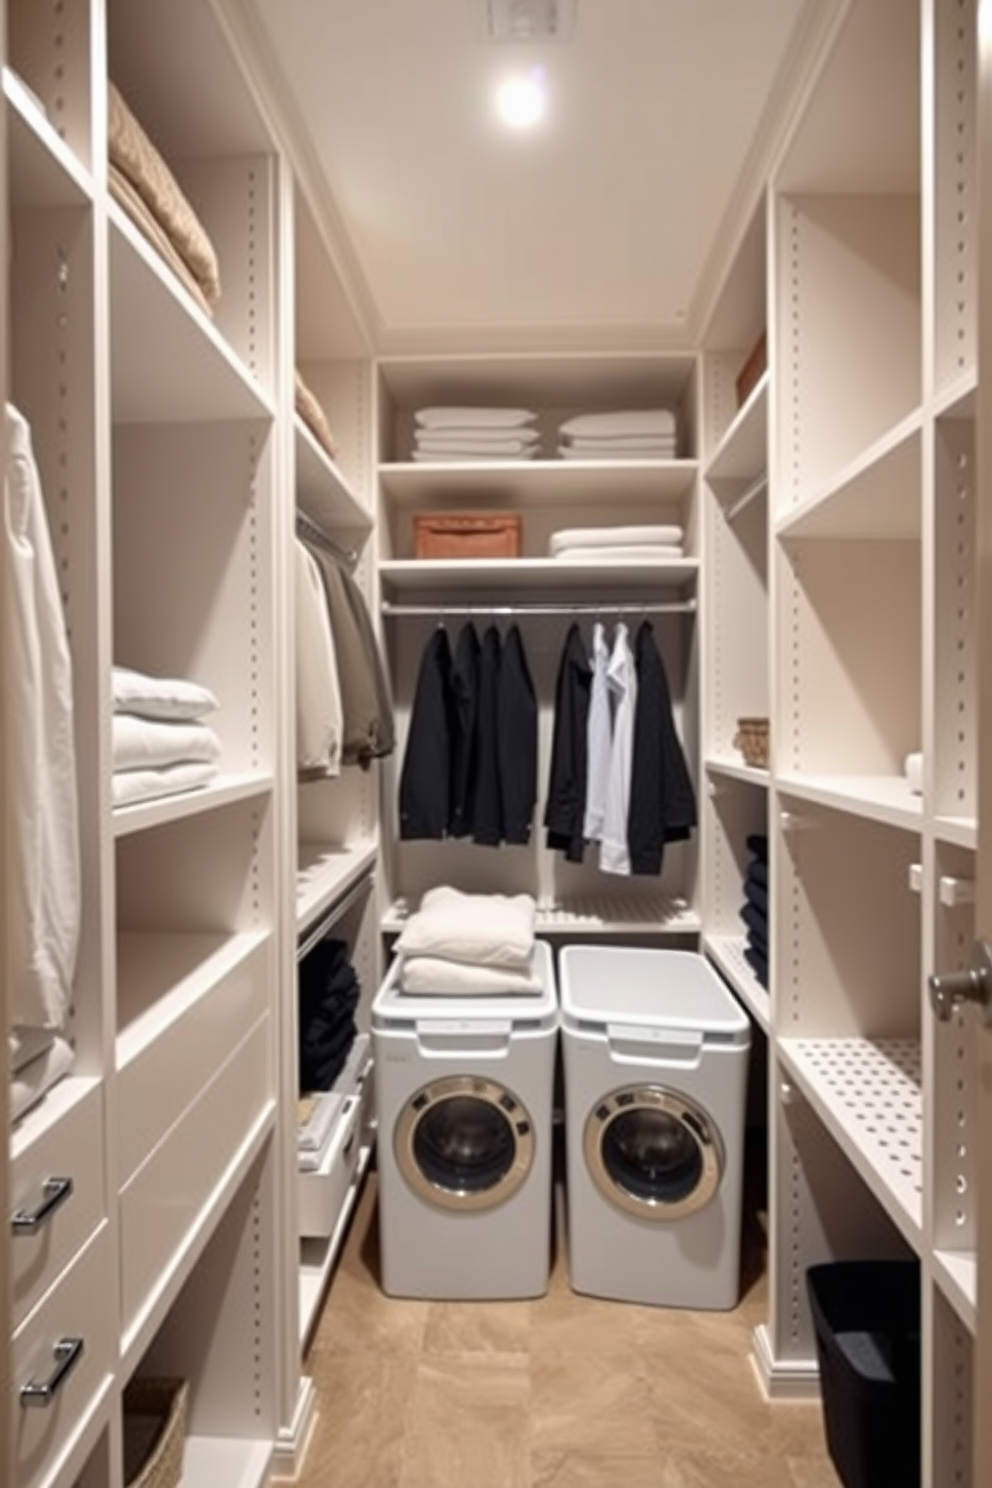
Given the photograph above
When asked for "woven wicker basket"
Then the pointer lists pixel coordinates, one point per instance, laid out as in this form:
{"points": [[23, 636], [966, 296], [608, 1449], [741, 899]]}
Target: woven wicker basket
{"points": [[751, 739], [154, 1432]]}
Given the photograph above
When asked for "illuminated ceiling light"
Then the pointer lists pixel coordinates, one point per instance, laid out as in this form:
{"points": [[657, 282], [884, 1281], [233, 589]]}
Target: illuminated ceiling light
{"points": [[522, 98]]}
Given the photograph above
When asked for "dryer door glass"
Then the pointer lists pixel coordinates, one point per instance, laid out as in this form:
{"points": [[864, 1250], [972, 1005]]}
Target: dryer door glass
{"points": [[653, 1152], [464, 1143]]}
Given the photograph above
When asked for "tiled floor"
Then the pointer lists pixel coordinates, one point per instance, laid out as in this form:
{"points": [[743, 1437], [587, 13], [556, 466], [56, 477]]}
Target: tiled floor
{"points": [[561, 1392]]}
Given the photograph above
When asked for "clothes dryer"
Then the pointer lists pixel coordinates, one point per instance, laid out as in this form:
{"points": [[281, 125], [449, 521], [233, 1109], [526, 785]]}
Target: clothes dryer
{"points": [[464, 1097], [655, 1055]]}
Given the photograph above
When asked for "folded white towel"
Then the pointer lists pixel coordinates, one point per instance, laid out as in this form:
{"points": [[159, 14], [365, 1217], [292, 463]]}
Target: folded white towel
{"points": [[595, 451], [487, 929], [625, 422], [616, 443], [913, 769], [160, 697], [146, 743], [601, 537], [433, 976], [130, 786], [479, 452], [471, 438], [461, 417], [639, 552]]}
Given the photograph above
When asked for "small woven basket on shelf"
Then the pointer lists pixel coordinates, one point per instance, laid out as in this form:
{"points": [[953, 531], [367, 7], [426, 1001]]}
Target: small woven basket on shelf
{"points": [[751, 739], [154, 1432]]}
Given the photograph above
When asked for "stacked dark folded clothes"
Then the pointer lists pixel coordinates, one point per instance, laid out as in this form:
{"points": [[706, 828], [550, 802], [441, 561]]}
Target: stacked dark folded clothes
{"points": [[328, 995], [754, 911]]}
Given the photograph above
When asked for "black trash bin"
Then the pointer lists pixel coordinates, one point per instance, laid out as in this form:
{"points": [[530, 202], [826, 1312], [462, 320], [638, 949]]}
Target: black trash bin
{"points": [[867, 1320]]}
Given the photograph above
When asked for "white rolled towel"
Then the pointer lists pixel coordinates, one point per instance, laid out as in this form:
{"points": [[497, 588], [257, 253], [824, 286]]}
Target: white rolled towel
{"points": [[602, 537], [433, 976], [486, 929], [913, 769]]}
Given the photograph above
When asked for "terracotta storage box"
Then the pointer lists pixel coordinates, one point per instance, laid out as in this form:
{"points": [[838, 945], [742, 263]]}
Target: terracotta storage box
{"points": [[479, 534]]}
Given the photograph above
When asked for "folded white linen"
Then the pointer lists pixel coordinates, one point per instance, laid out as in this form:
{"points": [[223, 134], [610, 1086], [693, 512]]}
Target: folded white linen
{"points": [[316, 1117], [600, 537], [643, 552], [148, 743], [488, 929], [433, 976], [130, 786], [624, 421], [589, 451], [913, 770], [32, 1082], [504, 449], [463, 416], [173, 698], [26, 1044], [489, 452], [469, 438], [618, 442]]}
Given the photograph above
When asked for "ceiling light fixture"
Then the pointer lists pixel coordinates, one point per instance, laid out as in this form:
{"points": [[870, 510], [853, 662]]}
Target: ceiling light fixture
{"points": [[522, 98]]}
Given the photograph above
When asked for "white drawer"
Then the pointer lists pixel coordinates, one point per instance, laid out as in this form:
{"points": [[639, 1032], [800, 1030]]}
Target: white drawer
{"points": [[160, 1080], [80, 1307], [323, 1192], [56, 1161], [170, 1194]]}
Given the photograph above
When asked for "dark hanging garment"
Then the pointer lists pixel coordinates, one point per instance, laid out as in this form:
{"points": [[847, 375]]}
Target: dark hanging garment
{"points": [[465, 732], [487, 811], [517, 740], [662, 799], [566, 803], [425, 790]]}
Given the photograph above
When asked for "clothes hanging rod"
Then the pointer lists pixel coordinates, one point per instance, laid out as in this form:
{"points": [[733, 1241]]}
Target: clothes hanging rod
{"points": [[755, 489], [311, 531], [623, 607]]}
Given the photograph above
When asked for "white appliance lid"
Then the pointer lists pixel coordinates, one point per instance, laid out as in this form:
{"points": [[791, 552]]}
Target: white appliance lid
{"points": [[653, 988], [391, 1005]]}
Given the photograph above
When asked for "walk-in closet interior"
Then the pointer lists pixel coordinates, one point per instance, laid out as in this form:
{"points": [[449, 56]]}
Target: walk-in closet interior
{"points": [[210, 420]]}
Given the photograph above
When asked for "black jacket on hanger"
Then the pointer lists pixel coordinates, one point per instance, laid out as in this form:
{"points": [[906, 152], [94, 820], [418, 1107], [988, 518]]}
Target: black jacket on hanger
{"points": [[425, 790], [516, 740], [566, 803], [662, 799], [465, 731], [487, 811]]}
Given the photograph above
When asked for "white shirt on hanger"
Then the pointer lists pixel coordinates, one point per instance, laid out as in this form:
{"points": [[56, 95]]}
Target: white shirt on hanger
{"points": [[599, 736], [621, 679], [319, 717]]}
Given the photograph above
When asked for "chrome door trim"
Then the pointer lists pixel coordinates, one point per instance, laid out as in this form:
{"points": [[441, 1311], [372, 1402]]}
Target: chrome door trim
{"points": [[689, 1114], [489, 1092]]}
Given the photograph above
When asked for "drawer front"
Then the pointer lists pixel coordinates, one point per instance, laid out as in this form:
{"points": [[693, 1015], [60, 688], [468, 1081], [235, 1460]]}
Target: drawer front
{"points": [[169, 1196], [57, 1192], [323, 1192], [158, 1085], [80, 1307]]}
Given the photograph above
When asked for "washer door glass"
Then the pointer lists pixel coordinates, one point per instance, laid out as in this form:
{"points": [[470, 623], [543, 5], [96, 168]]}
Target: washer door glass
{"points": [[464, 1143], [653, 1152]]}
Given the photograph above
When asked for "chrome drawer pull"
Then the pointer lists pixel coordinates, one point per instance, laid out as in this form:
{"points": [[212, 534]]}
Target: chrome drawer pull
{"points": [[56, 1191], [67, 1352]]}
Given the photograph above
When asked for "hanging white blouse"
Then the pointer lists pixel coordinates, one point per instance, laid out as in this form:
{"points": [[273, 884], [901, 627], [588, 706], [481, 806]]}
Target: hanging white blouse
{"points": [[319, 718], [599, 734], [621, 680], [43, 863]]}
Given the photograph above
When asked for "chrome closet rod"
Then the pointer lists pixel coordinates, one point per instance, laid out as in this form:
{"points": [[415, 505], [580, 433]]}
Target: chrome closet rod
{"points": [[624, 607], [311, 531]]}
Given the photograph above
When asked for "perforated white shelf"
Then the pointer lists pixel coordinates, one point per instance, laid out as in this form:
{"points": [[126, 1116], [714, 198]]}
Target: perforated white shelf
{"points": [[592, 914], [867, 1092]]}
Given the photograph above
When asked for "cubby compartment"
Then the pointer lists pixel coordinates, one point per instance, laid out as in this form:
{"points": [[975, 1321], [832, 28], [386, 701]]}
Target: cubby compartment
{"points": [[736, 588], [952, 57], [193, 571], [850, 700], [955, 660], [219, 1334], [52, 48]]}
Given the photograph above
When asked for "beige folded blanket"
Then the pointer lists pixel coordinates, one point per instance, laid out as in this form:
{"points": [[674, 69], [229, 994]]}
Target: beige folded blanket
{"points": [[481, 929], [141, 165], [314, 417]]}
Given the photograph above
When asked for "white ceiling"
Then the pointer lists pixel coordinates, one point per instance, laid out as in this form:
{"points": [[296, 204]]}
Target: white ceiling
{"points": [[606, 225]]}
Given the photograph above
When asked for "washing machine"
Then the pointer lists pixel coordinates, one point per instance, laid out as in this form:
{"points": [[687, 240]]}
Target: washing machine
{"points": [[464, 1105], [655, 1055]]}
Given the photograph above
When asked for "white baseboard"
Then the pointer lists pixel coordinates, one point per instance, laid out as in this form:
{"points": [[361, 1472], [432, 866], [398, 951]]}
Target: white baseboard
{"points": [[291, 1447], [783, 1379]]}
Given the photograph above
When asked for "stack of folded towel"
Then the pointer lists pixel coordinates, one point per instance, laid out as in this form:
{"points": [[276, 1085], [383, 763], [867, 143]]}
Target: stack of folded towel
{"points": [[754, 912], [462, 433], [638, 434], [607, 544], [461, 945], [160, 743]]}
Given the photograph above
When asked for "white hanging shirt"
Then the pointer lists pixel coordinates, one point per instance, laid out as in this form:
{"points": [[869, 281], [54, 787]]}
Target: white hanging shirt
{"points": [[621, 680], [43, 863], [319, 716], [599, 735]]}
